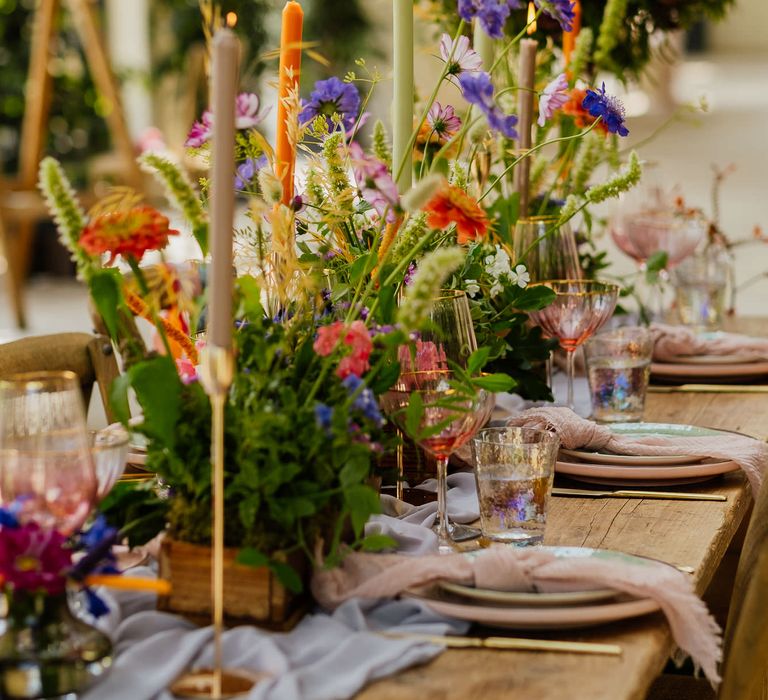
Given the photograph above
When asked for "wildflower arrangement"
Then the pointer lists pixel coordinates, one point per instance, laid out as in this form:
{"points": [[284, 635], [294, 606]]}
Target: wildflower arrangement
{"points": [[333, 284]]}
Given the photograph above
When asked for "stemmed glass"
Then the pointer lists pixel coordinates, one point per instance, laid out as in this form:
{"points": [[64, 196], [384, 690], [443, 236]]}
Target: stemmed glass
{"points": [[440, 416], [580, 309], [448, 339], [548, 251], [46, 467]]}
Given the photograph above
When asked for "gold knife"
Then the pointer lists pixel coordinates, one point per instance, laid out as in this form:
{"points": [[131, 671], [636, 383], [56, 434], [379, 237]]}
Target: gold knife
{"points": [[511, 643], [663, 495], [711, 389]]}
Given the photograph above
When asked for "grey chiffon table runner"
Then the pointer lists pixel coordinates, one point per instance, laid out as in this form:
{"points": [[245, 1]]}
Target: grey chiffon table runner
{"points": [[326, 657]]}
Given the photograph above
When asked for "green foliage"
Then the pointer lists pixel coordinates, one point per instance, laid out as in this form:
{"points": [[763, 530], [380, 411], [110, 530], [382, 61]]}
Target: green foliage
{"points": [[136, 509], [105, 288], [179, 190]]}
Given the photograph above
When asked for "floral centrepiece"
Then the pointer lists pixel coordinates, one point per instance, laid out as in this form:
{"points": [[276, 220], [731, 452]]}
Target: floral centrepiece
{"points": [[333, 286]]}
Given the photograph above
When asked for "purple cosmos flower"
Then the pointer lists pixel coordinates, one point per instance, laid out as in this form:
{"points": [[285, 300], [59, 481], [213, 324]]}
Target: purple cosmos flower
{"points": [[375, 182], [559, 10], [598, 104], [555, 95], [365, 400], [248, 170], [33, 559], [459, 56], [492, 14], [200, 132], [247, 111], [477, 89], [443, 121], [332, 96]]}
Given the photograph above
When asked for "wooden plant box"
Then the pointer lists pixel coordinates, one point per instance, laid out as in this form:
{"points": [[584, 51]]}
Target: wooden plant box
{"points": [[251, 595]]}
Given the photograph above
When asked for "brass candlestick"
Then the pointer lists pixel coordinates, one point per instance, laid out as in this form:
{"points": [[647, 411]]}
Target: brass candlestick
{"points": [[217, 683]]}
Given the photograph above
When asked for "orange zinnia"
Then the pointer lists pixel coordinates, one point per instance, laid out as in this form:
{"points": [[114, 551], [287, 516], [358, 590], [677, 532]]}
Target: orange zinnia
{"points": [[452, 205], [581, 117], [127, 232]]}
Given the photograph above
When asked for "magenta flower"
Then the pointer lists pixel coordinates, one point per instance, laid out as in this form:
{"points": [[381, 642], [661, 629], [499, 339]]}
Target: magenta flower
{"points": [[247, 113], [375, 182], [555, 95], [462, 57], [200, 132], [247, 116], [443, 121], [33, 559]]}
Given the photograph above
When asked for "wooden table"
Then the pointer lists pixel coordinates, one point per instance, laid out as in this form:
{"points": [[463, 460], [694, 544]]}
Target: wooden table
{"points": [[684, 533]]}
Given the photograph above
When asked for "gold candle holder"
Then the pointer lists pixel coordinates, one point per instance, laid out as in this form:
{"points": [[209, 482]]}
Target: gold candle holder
{"points": [[217, 372]]}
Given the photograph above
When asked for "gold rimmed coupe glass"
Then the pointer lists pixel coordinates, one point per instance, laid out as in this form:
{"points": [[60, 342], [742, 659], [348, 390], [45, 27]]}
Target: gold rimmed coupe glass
{"points": [[580, 309], [46, 467], [547, 250]]}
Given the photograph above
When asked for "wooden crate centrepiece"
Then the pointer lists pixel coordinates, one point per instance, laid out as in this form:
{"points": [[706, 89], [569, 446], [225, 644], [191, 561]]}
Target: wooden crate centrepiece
{"points": [[251, 595]]}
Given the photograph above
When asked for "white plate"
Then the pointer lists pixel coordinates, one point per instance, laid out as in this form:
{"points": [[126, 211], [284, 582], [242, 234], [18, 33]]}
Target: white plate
{"points": [[525, 599], [732, 359], [689, 370], [537, 617], [613, 473], [644, 430], [630, 460]]}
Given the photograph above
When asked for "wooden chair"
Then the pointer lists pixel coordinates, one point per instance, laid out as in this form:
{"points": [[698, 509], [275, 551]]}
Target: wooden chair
{"points": [[745, 670], [90, 357]]}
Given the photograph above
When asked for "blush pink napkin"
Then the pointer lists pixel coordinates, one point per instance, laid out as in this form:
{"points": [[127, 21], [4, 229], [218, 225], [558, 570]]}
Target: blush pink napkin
{"points": [[672, 341], [576, 433], [507, 568]]}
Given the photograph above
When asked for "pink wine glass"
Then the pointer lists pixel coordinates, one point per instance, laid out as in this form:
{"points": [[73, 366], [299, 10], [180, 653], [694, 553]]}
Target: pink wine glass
{"points": [[440, 417], [46, 467], [580, 309]]}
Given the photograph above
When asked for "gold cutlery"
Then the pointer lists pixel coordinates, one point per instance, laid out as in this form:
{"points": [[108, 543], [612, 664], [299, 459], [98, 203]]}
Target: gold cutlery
{"points": [[632, 493], [711, 389], [511, 643]]}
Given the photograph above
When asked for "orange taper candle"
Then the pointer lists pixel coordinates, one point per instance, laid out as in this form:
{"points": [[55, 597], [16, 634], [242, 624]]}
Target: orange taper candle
{"points": [[290, 69], [569, 38]]}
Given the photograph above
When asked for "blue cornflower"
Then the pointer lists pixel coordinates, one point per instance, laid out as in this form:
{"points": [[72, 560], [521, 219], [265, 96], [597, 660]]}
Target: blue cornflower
{"points": [[8, 518], [365, 400], [97, 542], [95, 605], [323, 416], [248, 170], [492, 14], [559, 10], [332, 96], [477, 89], [598, 104]]}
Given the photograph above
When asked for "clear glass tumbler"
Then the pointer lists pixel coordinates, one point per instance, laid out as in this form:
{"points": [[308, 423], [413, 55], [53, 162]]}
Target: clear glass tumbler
{"points": [[618, 369], [701, 287], [514, 468]]}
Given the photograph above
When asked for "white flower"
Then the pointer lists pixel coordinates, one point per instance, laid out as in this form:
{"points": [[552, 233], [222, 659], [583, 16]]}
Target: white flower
{"points": [[498, 264], [497, 288], [472, 288], [522, 275], [464, 58]]}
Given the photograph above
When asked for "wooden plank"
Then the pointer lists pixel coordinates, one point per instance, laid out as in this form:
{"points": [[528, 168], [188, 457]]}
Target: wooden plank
{"points": [[689, 533]]}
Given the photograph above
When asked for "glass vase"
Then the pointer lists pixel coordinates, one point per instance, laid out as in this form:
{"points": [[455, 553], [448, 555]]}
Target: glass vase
{"points": [[45, 651]]}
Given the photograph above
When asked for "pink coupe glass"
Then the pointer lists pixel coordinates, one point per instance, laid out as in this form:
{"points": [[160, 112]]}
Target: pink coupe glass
{"points": [[579, 310], [46, 467]]}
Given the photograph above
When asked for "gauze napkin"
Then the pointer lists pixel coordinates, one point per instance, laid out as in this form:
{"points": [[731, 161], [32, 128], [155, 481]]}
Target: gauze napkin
{"points": [[580, 433], [375, 576], [672, 341]]}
